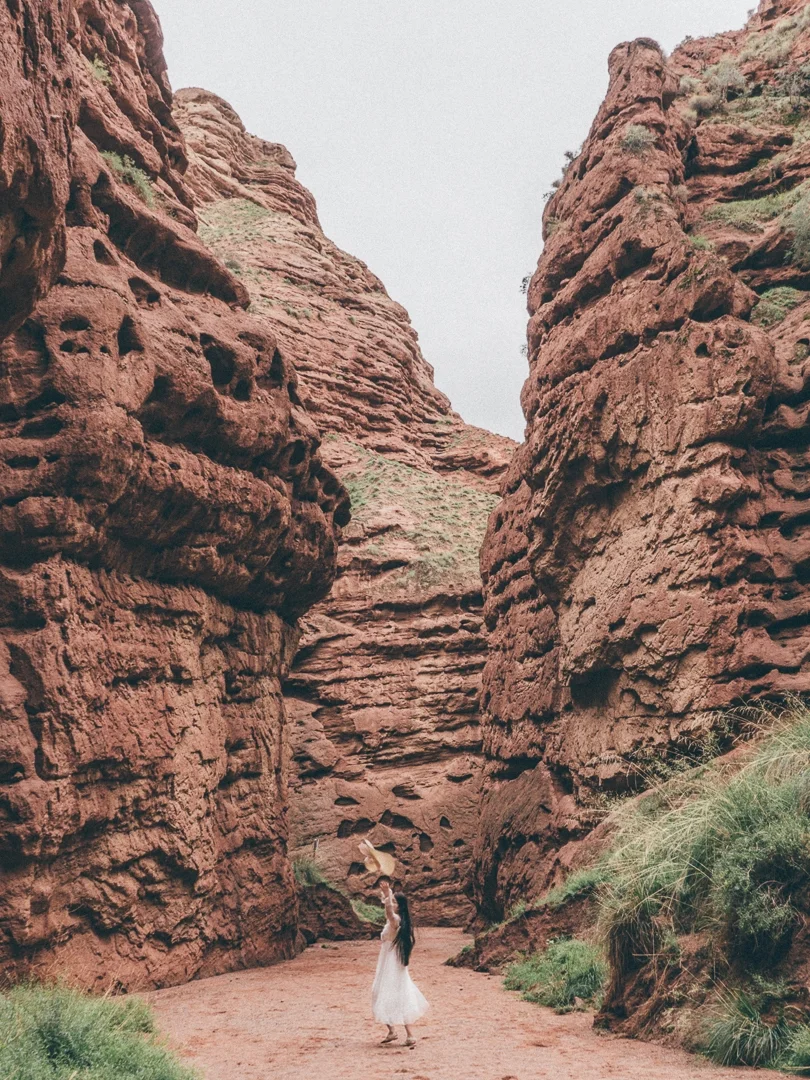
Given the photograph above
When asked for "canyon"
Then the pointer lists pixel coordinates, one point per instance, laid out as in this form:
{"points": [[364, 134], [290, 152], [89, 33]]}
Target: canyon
{"points": [[265, 593]]}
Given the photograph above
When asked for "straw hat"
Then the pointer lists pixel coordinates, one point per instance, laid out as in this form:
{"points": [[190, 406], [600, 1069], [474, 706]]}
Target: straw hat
{"points": [[377, 862]]}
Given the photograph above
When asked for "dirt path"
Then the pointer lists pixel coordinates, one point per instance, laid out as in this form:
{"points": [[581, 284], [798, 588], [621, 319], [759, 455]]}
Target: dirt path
{"points": [[310, 1019]]}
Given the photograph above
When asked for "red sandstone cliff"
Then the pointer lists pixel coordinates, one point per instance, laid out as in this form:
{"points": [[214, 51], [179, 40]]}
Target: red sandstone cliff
{"points": [[384, 690], [166, 517], [649, 561]]}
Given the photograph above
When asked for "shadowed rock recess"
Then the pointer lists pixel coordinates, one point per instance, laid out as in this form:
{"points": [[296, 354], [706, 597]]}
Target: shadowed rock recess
{"points": [[165, 517], [384, 691], [649, 561]]}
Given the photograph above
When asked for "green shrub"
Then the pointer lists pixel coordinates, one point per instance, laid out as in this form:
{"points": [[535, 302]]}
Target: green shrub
{"points": [[568, 969], [99, 70], [797, 1053], [307, 873], [638, 139], [718, 851], [701, 243], [129, 172], [516, 910], [689, 85], [774, 46], [748, 215], [55, 1033], [798, 225], [372, 913], [774, 305], [738, 1034], [705, 104], [724, 78], [579, 884]]}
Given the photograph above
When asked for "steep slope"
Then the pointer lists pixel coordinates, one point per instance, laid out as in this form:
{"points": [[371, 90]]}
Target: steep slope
{"points": [[165, 519], [648, 564], [384, 690]]}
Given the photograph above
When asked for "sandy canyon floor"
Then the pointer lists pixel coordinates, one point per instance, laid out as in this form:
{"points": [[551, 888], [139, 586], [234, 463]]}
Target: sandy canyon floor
{"points": [[310, 1019]]}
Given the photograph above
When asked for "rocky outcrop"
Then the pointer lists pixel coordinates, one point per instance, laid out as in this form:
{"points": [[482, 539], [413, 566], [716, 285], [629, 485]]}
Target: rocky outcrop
{"points": [[648, 563], [166, 517], [384, 690]]}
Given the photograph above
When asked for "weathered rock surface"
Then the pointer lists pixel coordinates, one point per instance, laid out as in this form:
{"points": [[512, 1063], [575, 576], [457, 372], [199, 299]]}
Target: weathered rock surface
{"points": [[384, 690], [649, 561], [165, 517], [38, 102]]}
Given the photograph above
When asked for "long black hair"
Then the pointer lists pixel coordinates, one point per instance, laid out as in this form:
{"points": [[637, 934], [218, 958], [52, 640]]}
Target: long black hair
{"points": [[405, 938]]}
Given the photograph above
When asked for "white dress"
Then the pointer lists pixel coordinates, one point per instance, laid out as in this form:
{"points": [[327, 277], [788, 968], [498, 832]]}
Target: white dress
{"points": [[395, 998]]}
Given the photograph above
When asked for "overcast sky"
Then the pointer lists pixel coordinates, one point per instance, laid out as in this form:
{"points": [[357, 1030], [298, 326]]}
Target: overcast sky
{"points": [[428, 131]]}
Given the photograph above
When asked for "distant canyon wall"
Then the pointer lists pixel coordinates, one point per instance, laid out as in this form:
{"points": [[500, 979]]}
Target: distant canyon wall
{"points": [[383, 694]]}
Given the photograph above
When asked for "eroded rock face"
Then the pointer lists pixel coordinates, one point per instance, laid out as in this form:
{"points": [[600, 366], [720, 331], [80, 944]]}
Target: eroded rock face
{"points": [[166, 517], [384, 690], [649, 561], [38, 100]]}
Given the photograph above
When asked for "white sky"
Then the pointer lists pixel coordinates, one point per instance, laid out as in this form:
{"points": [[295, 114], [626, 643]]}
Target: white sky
{"points": [[428, 131]]}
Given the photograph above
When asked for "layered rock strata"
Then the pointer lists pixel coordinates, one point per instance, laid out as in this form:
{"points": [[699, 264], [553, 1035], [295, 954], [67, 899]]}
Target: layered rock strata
{"points": [[165, 517], [384, 690], [649, 561]]}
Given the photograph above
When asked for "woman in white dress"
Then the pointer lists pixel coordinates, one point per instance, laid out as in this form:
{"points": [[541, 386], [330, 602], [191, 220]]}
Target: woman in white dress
{"points": [[395, 998]]}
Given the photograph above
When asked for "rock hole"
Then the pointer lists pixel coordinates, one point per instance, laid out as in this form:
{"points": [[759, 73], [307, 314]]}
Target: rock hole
{"points": [[21, 461], [396, 821], [76, 322], [48, 398], [425, 843], [275, 375], [145, 294], [297, 453], [405, 791], [128, 340], [160, 388], [220, 359], [293, 394], [45, 428], [458, 843], [702, 349], [346, 800], [242, 390], [445, 823], [103, 254]]}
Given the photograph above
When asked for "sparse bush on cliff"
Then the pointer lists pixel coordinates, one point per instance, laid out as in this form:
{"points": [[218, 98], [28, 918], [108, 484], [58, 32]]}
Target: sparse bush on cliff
{"points": [[579, 884], [718, 851], [705, 104], [55, 1033], [638, 139], [749, 215], [371, 913], [129, 172], [99, 70], [307, 873], [568, 969], [798, 225], [774, 46], [725, 78], [701, 243], [775, 304], [689, 85]]}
